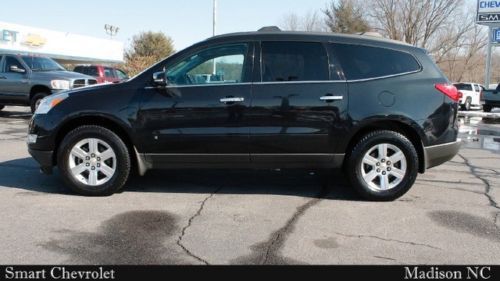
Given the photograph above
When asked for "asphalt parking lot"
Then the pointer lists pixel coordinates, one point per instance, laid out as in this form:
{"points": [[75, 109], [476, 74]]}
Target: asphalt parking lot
{"points": [[451, 215]]}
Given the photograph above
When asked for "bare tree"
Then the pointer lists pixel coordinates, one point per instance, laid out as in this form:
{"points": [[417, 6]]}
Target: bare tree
{"points": [[345, 16], [311, 21]]}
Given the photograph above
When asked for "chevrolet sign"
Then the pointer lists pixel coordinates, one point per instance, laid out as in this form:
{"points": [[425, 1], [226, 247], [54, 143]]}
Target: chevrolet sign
{"points": [[488, 11]]}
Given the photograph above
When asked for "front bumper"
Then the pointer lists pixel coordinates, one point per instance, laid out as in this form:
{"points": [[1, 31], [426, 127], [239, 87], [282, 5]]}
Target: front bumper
{"points": [[44, 158], [439, 154]]}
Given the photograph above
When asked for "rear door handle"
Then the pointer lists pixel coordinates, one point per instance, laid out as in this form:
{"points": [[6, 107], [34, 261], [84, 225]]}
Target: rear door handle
{"points": [[232, 99], [331, 98]]}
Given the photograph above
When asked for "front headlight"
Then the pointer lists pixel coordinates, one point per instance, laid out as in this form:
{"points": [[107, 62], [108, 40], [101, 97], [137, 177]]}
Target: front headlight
{"points": [[60, 84], [50, 102]]}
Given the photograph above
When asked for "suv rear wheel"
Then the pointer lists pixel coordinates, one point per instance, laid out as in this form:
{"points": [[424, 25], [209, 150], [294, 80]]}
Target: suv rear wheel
{"points": [[383, 166], [466, 106], [94, 161], [35, 101]]}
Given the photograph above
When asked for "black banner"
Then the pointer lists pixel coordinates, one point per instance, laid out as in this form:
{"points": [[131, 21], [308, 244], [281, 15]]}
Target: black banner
{"points": [[61, 272]]}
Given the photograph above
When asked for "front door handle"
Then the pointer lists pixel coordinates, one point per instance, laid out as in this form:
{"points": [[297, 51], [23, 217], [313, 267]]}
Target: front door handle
{"points": [[227, 100], [331, 98]]}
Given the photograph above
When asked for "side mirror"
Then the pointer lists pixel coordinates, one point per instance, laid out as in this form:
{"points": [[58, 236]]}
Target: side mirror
{"points": [[159, 79], [14, 68]]}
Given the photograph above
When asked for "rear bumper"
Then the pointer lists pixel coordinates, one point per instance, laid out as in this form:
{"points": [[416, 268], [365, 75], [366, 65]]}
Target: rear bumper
{"points": [[439, 154], [44, 158]]}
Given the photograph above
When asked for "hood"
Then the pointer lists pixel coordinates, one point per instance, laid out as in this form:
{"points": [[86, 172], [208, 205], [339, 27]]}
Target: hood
{"points": [[61, 74], [91, 88]]}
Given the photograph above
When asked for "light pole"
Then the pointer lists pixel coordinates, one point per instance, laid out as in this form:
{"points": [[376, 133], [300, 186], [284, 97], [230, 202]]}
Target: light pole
{"points": [[214, 31], [214, 23], [111, 30]]}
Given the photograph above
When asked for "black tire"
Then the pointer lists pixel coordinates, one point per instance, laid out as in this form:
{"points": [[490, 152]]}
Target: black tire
{"points": [[123, 163], [467, 104], [487, 108], [367, 143], [35, 100]]}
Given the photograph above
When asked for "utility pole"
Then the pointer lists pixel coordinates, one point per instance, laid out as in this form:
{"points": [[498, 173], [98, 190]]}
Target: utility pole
{"points": [[214, 26], [214, 31], [487, 79]]}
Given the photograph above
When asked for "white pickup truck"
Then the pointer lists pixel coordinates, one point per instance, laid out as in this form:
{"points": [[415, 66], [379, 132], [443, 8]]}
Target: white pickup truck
{"points": [[471, 95]]}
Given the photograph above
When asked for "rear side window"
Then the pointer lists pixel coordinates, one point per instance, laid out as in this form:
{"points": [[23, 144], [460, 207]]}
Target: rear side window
{"points": [[365, 62], [294, 61], [464, 87]]}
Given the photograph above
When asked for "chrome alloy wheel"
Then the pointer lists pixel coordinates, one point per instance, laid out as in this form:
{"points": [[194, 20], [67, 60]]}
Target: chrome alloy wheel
{"points": [[383, 167], [92, 162]]}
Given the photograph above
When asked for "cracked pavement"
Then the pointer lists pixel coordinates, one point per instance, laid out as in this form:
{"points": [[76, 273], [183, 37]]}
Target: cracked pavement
{"points": [[450, 216]]}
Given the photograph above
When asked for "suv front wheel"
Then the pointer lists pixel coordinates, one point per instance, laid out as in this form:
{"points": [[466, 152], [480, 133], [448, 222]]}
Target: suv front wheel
{"points": [[93, 161], [383, 166]]}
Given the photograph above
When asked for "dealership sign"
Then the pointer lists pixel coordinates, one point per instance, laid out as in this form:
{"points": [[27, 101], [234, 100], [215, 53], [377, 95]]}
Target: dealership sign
{"points": [[16, 38], [488, 11]]}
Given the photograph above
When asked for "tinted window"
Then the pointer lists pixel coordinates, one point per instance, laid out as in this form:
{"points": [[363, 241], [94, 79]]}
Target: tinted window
{"points": [[464, 87], [362, 62], [294, 61], [79, 69], [121, 74], [11, 61], [109, 73], [218, 65], [92, 71]]}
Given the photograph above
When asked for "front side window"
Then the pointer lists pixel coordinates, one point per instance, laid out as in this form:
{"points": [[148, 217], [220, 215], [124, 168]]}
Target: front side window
{"points": [[217, 65], [365, 62], [121, 75], [108, 72], [294, 61], [11, 62]]}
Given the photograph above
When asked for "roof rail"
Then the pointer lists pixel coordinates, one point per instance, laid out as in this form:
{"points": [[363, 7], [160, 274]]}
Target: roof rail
{"points": [[269, 29]]}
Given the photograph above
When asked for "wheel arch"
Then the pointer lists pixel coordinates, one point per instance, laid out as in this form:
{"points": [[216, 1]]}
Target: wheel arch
{"points": [[109, 123], [39, 89], [406, 128]]}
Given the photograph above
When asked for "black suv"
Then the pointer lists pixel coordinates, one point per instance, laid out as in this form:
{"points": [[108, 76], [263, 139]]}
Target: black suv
{"points": [[380, 109]]}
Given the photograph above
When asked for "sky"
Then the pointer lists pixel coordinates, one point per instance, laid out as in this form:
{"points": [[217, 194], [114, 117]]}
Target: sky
{"points": [[185, 21]]}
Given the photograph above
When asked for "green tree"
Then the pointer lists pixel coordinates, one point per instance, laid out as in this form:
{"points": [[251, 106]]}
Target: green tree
{"points": [[146, 49], [345, 16]]}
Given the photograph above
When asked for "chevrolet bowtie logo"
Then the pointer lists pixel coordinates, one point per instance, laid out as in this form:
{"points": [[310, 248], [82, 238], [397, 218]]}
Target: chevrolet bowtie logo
{"points": [[34, 40]]}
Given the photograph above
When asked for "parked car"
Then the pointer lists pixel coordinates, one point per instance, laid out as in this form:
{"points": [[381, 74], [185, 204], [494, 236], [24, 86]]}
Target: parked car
{"points": [[103, 74], [379, 109], [471, 95], [26, 79], [490, 98]]}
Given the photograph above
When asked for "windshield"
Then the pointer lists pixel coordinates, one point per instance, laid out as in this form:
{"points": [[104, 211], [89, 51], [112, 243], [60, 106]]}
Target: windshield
{"points": [[41, 63]]}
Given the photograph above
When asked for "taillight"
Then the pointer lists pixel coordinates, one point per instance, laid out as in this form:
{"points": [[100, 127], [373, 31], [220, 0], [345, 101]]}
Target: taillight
{"points": [[449, 90], [481, 95], [460, 95]]}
